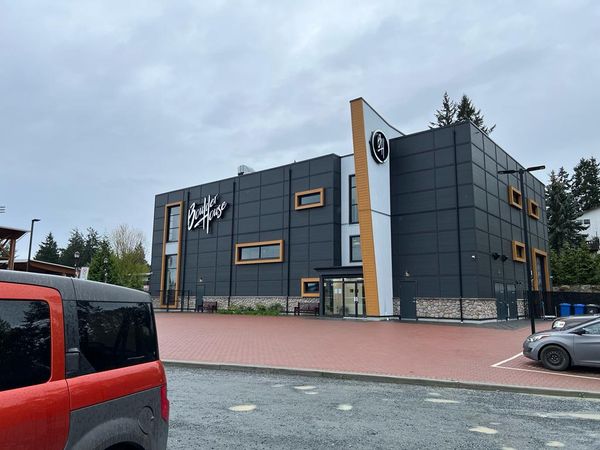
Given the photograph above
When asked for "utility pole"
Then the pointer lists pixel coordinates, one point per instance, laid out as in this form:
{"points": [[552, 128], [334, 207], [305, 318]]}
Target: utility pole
{"points": [[33, 221]]}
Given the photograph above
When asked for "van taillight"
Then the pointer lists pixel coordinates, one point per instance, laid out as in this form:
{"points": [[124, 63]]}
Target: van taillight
{"points": [[164, 403]]}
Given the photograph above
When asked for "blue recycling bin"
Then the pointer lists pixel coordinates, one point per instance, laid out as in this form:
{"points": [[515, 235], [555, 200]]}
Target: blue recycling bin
{"points": [[565, 309], [579, 309]]}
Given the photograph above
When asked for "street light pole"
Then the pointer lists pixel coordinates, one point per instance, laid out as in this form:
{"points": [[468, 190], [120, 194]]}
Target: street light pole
{"points": [[33, 221], [528, 253], [76, 255]]}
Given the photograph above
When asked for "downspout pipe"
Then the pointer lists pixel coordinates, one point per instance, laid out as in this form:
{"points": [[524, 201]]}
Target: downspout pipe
{"points": [[460, 271]]}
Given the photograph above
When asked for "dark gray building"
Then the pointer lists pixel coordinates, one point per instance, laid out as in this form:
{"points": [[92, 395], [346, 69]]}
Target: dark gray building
{"points": [[412, 225]]}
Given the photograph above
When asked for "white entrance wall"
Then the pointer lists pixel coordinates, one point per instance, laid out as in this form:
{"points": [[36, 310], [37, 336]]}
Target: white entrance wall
{"points": [[348, 229]]}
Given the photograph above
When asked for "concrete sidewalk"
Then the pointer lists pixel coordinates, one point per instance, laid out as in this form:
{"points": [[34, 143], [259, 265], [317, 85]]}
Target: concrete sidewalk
{"points": [[459, 354]]}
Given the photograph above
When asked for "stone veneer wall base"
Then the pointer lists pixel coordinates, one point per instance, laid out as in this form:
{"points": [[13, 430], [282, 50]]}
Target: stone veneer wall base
{"points": [[225, 302], [449, 308]]}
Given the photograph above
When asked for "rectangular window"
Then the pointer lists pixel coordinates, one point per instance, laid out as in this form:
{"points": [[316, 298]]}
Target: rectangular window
{"points": [[514, 197], [353, 200], [518, 251], [24, 343], [259, 252], [586, 221], [355, 251], [533, 209], [114, 335], [170, 266], [310, 287], [313, 198], [174, 213]]}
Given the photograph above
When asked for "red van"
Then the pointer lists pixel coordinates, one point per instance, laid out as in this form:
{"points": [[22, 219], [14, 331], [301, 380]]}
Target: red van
{"points": [[79, 366]]}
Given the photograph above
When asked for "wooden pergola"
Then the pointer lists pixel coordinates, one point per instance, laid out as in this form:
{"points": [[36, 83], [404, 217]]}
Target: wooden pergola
{"points": [[8, 240]]}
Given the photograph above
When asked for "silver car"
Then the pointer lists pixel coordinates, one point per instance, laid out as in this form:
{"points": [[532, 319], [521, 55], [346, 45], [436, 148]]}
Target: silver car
{"points": [[559, 350], [564, 323]]}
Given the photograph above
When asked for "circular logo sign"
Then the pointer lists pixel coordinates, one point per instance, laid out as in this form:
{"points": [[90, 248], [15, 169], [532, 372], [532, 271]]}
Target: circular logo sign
{"points": [[380, 149]]}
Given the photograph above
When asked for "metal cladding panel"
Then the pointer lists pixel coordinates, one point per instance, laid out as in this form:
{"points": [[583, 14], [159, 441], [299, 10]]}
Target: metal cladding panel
{"points": [[260, 209]]}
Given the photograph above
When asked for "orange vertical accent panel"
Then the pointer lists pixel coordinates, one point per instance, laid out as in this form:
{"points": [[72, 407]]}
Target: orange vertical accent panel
{"points": [[361, 171]]}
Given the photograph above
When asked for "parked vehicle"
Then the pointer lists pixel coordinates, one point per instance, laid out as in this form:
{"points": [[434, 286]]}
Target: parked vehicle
{"points": [[563, 323], [559, 350], [79, 366]]}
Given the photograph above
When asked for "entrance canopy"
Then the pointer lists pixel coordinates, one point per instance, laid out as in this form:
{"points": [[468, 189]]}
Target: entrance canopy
{"points": [[340, 271], [8, 242]]}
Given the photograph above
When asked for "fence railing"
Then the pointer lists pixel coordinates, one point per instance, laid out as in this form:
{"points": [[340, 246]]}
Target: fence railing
{"points": [[172, 300], [561, 303]]}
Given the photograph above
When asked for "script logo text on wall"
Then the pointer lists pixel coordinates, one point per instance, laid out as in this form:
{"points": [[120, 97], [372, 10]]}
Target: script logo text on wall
{"points": [[201, 215]]}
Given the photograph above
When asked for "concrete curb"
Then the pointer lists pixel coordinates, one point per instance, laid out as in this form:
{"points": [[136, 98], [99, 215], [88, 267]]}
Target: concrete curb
{"points": [[358, 376]]}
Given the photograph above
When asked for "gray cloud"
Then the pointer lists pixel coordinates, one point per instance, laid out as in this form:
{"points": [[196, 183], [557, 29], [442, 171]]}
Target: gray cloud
{"points": [[105, 104]]}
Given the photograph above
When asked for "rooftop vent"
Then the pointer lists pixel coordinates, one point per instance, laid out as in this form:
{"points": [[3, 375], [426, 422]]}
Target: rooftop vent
{"points": [[243, 169]]}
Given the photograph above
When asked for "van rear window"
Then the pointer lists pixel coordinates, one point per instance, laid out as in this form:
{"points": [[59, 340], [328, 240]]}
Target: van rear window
{"points": [[24, 343], [114, 335]]}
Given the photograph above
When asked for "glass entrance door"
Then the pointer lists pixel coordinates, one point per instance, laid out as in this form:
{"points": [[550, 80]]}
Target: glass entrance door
{"points": [[350, 299], [344, 297], [333, 296]]}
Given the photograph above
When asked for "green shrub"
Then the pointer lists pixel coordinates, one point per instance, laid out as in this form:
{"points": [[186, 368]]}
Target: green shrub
{"points": [[260, 310]]}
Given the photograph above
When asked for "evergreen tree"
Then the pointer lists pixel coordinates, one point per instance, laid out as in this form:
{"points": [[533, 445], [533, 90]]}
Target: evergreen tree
{"points": [[48, 250], [76, 244], [563, 230], [101, 270], [467, 111], [92, 244], [446, 115], [586, 184], [4, 251], [575, 265], [452, 112]]}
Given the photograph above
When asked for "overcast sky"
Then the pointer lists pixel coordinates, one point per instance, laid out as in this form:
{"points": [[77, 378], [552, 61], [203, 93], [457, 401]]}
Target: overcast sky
{"points": [[105, 104]]}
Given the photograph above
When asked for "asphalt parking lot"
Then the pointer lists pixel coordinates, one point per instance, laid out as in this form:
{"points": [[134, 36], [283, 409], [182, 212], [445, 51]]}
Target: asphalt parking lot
{"points": [[227, 409]]}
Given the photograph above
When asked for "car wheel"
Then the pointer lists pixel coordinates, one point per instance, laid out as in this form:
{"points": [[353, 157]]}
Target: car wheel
{"points": [[554, 357]]}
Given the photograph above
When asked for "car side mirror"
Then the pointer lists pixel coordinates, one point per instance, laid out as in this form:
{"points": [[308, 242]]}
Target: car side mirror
{"points": [[580, 332]]}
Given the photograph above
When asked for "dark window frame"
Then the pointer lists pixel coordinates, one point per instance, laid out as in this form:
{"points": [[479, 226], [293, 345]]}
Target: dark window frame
{"points": [[350, 204], [351, 254]]}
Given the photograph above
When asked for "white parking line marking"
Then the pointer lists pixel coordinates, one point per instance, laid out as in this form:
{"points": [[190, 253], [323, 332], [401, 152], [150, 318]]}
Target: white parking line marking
{"points": [[507, 360], [551, 373], [344, 407], [498, 365], [554, 444]]}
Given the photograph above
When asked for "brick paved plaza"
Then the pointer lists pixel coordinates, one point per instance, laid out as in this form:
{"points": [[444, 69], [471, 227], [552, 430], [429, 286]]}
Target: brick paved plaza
{"points": [[454, 352]]}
